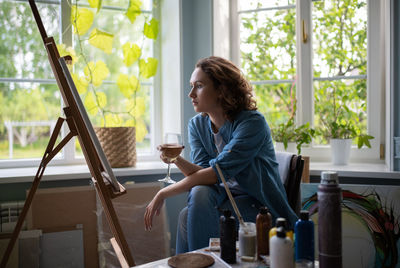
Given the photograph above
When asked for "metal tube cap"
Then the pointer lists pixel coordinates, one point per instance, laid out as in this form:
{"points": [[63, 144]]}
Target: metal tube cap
{"points": [[329, 178]]}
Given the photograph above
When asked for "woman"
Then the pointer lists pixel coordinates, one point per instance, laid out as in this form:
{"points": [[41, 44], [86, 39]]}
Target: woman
{"points": [[228, 131]]}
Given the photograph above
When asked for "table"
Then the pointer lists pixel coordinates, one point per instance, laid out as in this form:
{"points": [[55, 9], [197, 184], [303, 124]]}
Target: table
{"points": [[219, 263]]}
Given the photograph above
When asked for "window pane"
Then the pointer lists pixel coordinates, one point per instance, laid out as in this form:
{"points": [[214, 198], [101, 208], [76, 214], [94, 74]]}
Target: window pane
{"points": [[340, 37], [118, 105], [344, 100], [28, 113], [274, 102], [22, 53], [340, 49], [268, 52]]}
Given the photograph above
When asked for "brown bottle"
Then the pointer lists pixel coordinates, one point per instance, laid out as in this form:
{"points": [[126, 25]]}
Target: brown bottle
{"points": [[263, 225]]}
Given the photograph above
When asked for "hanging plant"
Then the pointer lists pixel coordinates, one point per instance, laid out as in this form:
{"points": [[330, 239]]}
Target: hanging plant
{"points": [[136, 68]]}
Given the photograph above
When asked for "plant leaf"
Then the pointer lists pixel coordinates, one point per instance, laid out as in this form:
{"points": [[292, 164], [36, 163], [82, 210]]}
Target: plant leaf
{"points": [[127, 85], [149, 68], [136, 108], [111, 120], [101, 99], [141, 130], [151, 29], [96, 72], [90, 104], [129, 123], [95, 4], [80, 83], [133, 10], [81, 19], [101, 40], [131, 53]]}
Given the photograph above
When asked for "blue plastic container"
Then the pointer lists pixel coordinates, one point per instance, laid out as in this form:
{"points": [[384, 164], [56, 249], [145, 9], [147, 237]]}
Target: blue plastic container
{"points": [[304, 237]]}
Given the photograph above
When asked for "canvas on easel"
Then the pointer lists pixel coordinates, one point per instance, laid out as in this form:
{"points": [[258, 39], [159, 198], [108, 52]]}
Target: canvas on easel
{"points": [[107, 186]]}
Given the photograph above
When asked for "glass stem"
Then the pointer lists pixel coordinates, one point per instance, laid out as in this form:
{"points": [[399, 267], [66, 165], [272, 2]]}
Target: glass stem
{"points": [[169, 169]]}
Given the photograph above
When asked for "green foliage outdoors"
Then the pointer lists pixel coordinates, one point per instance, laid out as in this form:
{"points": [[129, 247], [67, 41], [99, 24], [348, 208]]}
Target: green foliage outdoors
{"points": [[22, 55], [288, 131], [110, 45], [268, 52], [114, 45]]}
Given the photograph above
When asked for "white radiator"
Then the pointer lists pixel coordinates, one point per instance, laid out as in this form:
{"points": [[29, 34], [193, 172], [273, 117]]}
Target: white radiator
{"points": [[9, 213]]}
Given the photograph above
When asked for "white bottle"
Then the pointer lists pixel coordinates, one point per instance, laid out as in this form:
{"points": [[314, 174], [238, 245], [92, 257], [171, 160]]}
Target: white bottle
{"points": [[281, 250]]}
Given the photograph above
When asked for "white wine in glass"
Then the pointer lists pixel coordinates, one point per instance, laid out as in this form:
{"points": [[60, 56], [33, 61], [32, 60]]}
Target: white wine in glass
{"points": [[172, 147]]}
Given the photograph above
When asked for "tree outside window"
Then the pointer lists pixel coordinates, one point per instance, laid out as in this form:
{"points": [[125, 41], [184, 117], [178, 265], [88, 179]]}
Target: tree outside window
{"points": [[268, 58]]}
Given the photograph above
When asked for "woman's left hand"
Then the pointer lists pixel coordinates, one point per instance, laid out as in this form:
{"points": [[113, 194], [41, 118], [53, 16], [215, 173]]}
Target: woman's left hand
{"points": [[154, 207]]}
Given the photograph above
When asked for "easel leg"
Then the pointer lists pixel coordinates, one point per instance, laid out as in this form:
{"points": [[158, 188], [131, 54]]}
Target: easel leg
{"points": [[21, 217], [113, 221], [48, 155]]}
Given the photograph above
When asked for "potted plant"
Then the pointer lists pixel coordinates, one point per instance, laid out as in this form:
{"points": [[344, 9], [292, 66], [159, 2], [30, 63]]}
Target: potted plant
{"points": [[341, 134], [114, 109], [287, 133], [341, 129]]}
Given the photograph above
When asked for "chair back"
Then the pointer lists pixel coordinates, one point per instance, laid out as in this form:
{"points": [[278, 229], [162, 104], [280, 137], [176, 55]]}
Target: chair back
{"points": [[291, 170]]}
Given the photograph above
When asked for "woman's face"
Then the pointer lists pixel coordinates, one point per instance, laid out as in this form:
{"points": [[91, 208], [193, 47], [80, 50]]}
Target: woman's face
{"points": [[203, 93]]}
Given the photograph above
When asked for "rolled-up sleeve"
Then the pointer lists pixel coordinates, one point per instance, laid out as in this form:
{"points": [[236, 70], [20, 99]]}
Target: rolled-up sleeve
{"points": [[246, 141]]}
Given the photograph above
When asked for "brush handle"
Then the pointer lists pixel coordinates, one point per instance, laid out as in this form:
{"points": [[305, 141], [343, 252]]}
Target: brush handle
{"points": [[228, 192]]}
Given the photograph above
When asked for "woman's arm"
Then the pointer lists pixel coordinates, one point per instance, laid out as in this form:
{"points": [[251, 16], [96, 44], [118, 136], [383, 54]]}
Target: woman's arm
{"points": [[186, 167], [205, 176]]}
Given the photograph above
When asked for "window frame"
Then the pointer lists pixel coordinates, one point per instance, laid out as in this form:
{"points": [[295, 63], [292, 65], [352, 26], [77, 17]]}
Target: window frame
{"points": [[69, 156], [304, 83]]}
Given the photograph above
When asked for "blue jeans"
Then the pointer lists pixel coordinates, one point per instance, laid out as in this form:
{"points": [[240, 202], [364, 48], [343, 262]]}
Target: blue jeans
{"points": [[199, 221]]}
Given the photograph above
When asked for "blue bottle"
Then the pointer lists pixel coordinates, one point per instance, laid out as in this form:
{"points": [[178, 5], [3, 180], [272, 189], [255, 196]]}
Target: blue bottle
{"points": [[304, 238]]}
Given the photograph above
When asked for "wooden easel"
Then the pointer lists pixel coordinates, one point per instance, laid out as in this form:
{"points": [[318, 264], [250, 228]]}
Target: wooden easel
{"points": [[104, 181]]}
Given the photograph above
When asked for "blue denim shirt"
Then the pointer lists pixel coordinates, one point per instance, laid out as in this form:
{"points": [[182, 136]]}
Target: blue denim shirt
{"points": [[248, 156]]}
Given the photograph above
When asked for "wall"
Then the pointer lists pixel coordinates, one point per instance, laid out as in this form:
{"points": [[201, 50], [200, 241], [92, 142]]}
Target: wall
{"points": [[196, 43], [17, 191]]}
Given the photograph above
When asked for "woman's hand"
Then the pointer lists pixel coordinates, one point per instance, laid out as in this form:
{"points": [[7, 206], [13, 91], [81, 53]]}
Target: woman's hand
{"points": [[163, 158], [154, 207]]}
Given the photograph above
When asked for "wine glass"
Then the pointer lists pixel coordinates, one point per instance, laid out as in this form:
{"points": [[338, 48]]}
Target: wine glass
{"points": [[171, 148]]}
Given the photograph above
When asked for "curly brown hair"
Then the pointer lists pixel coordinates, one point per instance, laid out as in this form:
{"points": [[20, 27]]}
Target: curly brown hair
{"points": [[236, 91]]}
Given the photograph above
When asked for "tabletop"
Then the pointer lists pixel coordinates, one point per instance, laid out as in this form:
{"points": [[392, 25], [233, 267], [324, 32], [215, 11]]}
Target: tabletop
{"points": [[219, 263]]}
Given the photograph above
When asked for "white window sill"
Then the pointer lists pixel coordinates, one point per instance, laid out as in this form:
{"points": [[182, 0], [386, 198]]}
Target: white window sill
{"points": [[71, 172], [361, 170]]}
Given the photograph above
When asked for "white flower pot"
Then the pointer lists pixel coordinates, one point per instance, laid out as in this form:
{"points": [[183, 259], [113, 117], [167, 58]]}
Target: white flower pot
{"points": [[340, 151]]}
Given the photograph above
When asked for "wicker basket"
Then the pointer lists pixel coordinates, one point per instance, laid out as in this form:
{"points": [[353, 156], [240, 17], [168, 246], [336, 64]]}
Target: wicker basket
{"points": [[119, 145]]}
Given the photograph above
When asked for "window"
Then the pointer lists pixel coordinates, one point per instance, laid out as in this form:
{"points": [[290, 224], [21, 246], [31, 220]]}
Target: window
{"points": [[299, 54], [30, 100]]}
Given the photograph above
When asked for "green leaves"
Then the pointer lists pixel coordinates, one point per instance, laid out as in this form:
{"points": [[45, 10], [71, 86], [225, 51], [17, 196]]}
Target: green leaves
{"points": [[95, 4], [149, 68], [133, 10], [101, 40], [128, 85], [151, 29], [131, 53], [364, 140], [96, 72], [288, 132], [93, 102], [125, 104], [81, 19]]}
